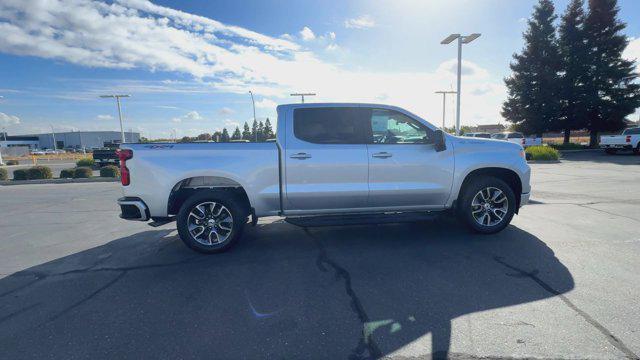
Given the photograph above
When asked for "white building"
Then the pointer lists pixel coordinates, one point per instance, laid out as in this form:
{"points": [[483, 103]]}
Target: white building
{"points": [[75, 139]]}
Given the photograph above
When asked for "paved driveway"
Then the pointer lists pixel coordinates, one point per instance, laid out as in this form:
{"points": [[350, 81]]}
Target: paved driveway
{"points": [[560, 282]]}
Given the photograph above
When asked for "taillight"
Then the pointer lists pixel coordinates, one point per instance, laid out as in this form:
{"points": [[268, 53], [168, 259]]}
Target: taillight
{"points": [[523, 142], [124, 155], [628, 138]]}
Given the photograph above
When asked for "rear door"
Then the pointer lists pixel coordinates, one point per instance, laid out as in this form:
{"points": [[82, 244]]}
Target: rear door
{"points": [[405, 170], [326, 163]]}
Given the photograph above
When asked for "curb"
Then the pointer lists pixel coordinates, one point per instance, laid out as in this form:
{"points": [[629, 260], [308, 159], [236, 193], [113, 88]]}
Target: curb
{"points": [[580, 150], [543, 161], [57, 181]]}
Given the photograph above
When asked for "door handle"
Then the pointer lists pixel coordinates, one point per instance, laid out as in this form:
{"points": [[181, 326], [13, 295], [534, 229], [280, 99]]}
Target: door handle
{"points": [[382, 155], [300, 156]]}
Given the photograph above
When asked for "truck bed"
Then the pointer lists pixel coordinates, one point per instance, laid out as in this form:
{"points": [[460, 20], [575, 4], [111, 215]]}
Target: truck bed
{"points": [[157, 168]]}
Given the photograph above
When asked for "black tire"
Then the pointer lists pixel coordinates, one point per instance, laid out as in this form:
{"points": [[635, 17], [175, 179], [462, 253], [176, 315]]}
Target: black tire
{"points": [[636, 150], [466, 211], [230, 202], [611, 151]]}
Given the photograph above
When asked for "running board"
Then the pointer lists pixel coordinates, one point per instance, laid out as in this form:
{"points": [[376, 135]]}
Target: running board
{"points": [[361, 219]]}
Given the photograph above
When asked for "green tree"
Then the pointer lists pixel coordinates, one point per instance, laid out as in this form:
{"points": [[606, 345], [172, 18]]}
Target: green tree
{"points": [[246, 132], [268, 130], [254, 131], [224, 137], [204, 136], [217, 135], [237, 135], [533, 88], [612, 92], [575, 70], [261, 137]]}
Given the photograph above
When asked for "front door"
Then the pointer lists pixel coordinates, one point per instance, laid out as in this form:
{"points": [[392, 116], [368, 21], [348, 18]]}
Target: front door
{"points": [[405, 170], [326, 159]]}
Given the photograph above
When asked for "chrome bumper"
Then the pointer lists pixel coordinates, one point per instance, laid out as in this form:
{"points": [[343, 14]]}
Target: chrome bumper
{"points": [[133, 209]]}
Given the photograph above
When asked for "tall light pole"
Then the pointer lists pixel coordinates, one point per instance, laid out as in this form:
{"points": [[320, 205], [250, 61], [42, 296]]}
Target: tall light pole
{"points": [[53, 135], [254, 113], [444, 104], [117, 97], [302, 95], [462, 39]]}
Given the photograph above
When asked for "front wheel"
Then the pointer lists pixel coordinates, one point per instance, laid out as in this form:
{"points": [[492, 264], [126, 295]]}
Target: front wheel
{"points": [[211, 221], [487, 205]]}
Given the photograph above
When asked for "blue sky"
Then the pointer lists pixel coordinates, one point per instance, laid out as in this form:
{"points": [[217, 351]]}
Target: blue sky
{"points": [[189, 65]]}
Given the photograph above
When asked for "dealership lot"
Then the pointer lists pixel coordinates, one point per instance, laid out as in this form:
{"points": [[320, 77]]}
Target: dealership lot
{"points": [[560, 282]]}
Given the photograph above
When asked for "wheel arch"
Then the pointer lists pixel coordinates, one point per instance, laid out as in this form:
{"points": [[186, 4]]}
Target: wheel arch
{"points": [[185, 188], [507, 175]]}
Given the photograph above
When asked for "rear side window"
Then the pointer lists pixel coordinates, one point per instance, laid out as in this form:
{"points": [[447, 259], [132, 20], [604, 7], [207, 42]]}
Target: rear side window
{"points": [[516, 136], [631, 131], [341, 125]]}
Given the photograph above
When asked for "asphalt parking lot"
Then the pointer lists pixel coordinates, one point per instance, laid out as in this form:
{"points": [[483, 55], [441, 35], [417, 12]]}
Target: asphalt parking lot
{"points": [[560, 282]]}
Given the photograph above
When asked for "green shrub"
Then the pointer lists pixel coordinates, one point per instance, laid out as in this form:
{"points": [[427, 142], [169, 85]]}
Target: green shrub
{"points": [[67, 173], [109, 171], [39, 172], [20, 174], [83, 173], [569, 146], [3, 174], [86, 162], [12, 162], [542, 153]]}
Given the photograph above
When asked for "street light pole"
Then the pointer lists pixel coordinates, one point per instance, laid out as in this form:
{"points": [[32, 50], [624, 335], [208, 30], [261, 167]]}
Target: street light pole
{"points": [[254, 113], [302, 95], [117, 97], [444, 104], [462, 39], [53, 135]]}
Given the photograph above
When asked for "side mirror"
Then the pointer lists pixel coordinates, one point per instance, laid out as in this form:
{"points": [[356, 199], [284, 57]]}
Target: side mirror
{"points": [[440, 141]]}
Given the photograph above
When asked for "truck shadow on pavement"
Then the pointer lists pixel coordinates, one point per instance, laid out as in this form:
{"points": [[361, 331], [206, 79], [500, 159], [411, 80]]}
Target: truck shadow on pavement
{"points": [[283, 292]]}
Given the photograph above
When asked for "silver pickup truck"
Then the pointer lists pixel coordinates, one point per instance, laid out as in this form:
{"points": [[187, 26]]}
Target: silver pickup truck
{"points": [[330, 163]]}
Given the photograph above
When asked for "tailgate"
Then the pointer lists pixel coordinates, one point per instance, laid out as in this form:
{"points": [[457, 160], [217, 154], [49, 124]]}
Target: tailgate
{"points": [[611, 139]]}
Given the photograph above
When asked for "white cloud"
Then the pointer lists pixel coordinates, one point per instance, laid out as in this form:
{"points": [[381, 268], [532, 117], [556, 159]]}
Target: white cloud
{"points": [[221, 58], [6, 120], [231, 124], [266, 103], [331, 35], [191, 115], [225, 111], [362, 22], [307, 34], [104, 117], [632, 52]]}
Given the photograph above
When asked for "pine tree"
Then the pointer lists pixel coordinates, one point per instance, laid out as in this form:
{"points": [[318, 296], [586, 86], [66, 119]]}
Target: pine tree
{"points": [[532, 103], [225, 135], [268, 130], [575, 70], [612, 92], [237, 135], [254, 131], [217, 135], [246, 132], [261, 137]]}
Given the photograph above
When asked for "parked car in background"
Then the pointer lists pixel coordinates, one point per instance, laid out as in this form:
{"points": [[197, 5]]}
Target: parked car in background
{"points": [[106, 155], [331, 164], [49, 152], [478, 135], [628, 140], [517, 138], [37, 152]]}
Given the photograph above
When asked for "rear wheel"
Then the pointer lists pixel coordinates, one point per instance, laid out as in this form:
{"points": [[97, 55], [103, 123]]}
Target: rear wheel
{"points": [[211, 221], [636, 150], [487, 205]]}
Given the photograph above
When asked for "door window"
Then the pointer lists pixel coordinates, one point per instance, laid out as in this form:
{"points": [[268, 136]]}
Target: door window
{"points": [[392, 127], [331, 125]]}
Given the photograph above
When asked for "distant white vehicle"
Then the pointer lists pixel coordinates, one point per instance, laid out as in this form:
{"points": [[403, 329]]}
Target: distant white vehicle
{"points": [[49, 152], [517, 138], [60, 151], [478, 135], [628, 140], [37, 152]]}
